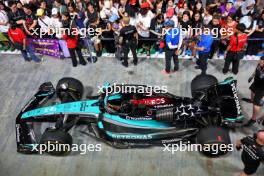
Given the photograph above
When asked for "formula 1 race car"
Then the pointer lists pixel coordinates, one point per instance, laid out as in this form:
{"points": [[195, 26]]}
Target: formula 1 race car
{"points": [[131, 119]]}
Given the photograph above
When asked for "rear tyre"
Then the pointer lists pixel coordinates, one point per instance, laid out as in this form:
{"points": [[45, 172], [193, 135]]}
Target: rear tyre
{"points": [[202, 82], [57, 142], [215, 141], [69, 90]]}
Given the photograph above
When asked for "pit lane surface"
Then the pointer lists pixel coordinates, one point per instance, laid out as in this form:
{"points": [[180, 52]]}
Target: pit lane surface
{"points": [[20, 80]]}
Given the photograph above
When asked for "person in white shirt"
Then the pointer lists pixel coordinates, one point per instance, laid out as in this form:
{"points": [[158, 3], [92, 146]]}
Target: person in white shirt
{"points": [[4, 26], [45, 24], [56, 24], [207, 16], [108, 10], [143, 24]]}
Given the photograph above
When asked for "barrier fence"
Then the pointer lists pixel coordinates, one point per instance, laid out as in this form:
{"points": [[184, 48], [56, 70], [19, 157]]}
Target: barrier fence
{"points": [[58, 48]]}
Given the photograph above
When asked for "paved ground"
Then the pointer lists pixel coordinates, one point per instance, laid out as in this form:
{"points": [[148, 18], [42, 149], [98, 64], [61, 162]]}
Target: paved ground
{"points": [[20, 80]]}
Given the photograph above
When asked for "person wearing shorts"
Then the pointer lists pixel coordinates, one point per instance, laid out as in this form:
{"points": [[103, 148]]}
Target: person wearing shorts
{"points": [[257, 93]]}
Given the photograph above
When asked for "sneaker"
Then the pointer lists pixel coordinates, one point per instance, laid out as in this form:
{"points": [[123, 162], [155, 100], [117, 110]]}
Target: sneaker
{"points": [[197, 67], [83, 63], [175, 70], [165, 72], [99, 53], [28, 60], [248, 100], [124, 64], [225, 73], [250, 123], [41, 60]]}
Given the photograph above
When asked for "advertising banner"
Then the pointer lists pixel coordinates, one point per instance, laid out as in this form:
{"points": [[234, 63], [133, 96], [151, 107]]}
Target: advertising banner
{"points": [[46, 47]]}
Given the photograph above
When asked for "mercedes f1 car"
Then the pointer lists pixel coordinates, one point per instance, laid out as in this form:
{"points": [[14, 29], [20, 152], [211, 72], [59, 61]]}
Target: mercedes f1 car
{"points": [[134, 119]]}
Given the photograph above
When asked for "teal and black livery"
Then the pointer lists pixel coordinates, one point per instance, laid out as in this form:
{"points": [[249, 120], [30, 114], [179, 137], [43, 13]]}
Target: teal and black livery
{"points": [[129, 119]]}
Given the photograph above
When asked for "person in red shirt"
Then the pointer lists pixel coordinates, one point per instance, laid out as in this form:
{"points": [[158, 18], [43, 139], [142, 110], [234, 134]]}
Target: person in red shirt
{"points": [[71, 38], [235, 49], [229, 24], [19, 40]]}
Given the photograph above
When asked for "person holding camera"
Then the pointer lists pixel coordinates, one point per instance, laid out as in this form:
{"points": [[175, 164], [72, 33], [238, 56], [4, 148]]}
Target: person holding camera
{"points": [[257, 92], [253, 152], [204, 48]]}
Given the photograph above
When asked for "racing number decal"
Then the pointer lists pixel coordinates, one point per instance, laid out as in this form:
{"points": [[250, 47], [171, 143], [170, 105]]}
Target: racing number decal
{"points": [[83, 106]]}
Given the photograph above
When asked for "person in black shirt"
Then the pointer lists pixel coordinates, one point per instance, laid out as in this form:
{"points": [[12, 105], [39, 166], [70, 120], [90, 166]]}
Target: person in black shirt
{"points": [[257, 92], [253, 152], [197, 21], [94, 26], [91, 14], [125, 9], [216, 28], [15, 14], [186, 25], [128, 39], [30, 22], [254, 46], [156, 31]]}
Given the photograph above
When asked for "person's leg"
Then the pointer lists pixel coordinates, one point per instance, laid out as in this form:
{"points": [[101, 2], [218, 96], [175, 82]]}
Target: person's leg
{"points": [[126, 51], [73, 57], [235, 65], [228, 60], [236, 61], [168, 55], [148, 47], [203, 62], [25, 55], [256, 111], [214, 48], [198, 61], [176, 61], [250, 46], [249, 169], [133, 48], [252, 96], [80, 56], [204, 65], [32, 55], [258, 101]]}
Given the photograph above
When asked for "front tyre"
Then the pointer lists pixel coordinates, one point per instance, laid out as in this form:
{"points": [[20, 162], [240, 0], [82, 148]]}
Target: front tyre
{"points": [[69, 90], [214, 141], [201, 83], [56, 142]]}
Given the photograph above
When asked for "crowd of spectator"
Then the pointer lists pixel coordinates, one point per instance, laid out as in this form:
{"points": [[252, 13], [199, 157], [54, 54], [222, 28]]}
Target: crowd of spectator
{"points": [[148, 16]]}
